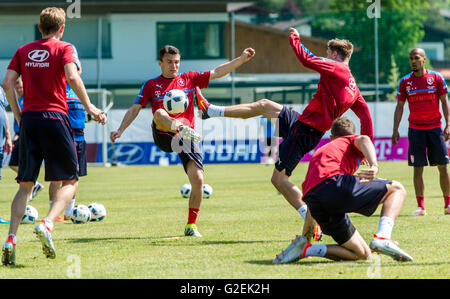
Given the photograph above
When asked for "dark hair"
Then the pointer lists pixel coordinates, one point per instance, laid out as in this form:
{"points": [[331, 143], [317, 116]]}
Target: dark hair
{"points": [[342, 127], [168, 50]]}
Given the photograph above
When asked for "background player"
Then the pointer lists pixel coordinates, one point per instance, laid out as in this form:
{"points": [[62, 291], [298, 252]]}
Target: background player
{"points": [[178, 129], [14, 161], [77, 117], [336, 93], [5, 134], [45, 133], [331, 191], [423, 89]]}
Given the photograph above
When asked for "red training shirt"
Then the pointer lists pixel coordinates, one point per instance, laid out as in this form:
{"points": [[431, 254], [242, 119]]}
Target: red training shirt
{"points": [[336, 92], [41, 65], [153, 91], [423, 95], [339, 156]]}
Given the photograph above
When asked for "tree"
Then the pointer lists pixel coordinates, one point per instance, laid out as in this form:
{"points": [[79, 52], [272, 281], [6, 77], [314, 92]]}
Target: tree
{"points": [[400, 28]]}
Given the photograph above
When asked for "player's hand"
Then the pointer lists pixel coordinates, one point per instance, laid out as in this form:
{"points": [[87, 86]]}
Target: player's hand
{"points": [[8, 144], [293, 31], [446, 133], [97, 114], [188, 133], [395, 138], [115, 135], [248, 54], [367, 175]]}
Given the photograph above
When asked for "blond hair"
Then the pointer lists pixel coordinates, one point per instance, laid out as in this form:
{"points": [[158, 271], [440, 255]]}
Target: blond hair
{"points": [[343, 47], [51, 19]]}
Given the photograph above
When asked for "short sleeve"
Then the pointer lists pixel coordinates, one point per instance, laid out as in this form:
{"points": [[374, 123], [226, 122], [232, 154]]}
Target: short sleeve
{"points": [[15, 63], [144, 95], [442, 87], [401, 91], [200, 79], [70, 55]]}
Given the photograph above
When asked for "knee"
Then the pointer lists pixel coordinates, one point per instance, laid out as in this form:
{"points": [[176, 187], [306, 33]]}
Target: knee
{"points": [[397, 188], [278, 179], [159, 115], [262, 105]]}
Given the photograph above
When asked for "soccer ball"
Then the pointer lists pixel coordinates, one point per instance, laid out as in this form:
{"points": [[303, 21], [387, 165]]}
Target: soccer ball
{"points": [[207, 191], [98, 211], [186, 190], [175, 101], [30, 216], [80, 214]]}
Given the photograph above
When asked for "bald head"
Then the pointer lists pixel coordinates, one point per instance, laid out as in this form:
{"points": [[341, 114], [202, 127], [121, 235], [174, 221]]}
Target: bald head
{"points": [[417, 59], [418, 51]]}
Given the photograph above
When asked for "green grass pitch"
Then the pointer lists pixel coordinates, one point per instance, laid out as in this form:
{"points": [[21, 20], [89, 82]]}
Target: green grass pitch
{"points": [[244, 225]]}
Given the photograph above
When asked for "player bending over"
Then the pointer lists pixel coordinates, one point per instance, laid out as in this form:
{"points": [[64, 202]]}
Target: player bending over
{"points": [[331, 191]]}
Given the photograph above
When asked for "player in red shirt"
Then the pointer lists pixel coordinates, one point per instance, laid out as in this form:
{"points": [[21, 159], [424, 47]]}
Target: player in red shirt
{"points": [[176, 133], [336, 93], [424, 89], [331, 191], [46, 66]]}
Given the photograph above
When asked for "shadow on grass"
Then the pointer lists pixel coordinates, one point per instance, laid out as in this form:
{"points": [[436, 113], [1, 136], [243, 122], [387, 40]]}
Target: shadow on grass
{"points": [[166, 240]]}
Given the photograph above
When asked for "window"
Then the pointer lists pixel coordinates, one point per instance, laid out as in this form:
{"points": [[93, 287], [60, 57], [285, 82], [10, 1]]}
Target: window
{"points": [[83, 35], [196, 40], [14, 36]]}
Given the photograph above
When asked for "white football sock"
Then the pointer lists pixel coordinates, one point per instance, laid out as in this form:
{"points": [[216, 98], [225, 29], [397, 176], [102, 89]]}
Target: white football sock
{"points": [[385, 227], [216, 111], [316, 250], [69, 208], [48, 223], [302, 211]]}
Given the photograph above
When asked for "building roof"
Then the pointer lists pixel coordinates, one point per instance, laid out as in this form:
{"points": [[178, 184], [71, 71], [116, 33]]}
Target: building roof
{"points": [[126, 6]]}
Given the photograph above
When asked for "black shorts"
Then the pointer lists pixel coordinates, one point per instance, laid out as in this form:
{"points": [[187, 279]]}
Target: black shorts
{"points": [[298, 139], [427, 146], [187, 150], [14, 160], [46, 135], [330, 201], [81, 155]]}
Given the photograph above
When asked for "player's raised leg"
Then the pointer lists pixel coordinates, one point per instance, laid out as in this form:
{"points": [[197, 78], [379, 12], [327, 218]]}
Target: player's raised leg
{"points": [[195, 175], [166, 123], [263, 107]]}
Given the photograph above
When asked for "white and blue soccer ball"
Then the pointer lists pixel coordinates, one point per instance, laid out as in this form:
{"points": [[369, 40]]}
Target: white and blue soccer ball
{"points": [[30, 216], [207, 191], [80, 214], [175, 101], [186, 190], [98, 211]]}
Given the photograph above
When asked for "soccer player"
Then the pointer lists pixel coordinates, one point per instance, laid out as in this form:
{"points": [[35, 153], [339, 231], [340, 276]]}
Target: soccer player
{"points": [[14, 161], [424, 89], [331, 191], [5, 135], [46, 66], [176, 133], [77, 117], [336, 93]]}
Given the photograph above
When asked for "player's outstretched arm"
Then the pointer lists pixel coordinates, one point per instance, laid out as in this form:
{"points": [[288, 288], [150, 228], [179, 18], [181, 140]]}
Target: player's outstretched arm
{"points": [[128, 118], [228, 67], [76, 83]]}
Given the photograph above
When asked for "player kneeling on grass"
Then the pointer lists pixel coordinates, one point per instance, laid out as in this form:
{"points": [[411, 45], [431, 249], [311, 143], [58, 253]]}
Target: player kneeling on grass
{"points": [[331, 191]]}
